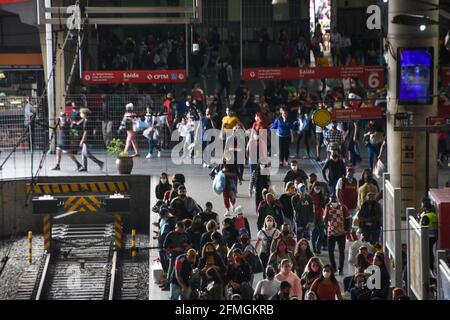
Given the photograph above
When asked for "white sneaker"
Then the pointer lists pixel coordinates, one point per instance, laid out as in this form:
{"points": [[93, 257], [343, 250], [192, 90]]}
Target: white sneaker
{"points": [[159, 154], [148, 156], [205, 165], [227, 213]]}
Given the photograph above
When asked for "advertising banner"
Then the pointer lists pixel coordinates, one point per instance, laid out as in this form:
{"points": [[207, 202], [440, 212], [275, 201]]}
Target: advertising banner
{"points": [[134, 76]]}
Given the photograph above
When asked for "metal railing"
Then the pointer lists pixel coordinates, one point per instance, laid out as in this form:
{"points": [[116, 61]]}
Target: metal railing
{"points": [[443, 277]]}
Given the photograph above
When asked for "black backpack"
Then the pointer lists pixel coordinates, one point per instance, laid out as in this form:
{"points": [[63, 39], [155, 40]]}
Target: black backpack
{"points": [[223, 74]]}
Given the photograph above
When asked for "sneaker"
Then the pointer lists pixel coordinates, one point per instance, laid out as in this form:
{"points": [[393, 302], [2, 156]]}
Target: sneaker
{"points": [[341, 272], [205, 165], [57, 168], [149, 155], [82, 169], [136, 155], [102, 165], [227, 213], [77, 168], [159, 154]]}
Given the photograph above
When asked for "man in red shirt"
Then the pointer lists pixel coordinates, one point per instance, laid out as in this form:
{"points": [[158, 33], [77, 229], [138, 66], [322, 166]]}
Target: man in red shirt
{"points": [[347, 193], [338, 220]]}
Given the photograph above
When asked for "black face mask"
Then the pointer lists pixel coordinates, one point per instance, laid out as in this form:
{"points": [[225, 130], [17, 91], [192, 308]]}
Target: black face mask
{"points": [[285, 232], [182, 196], [244, 240], [210, 253], [270, 275]]}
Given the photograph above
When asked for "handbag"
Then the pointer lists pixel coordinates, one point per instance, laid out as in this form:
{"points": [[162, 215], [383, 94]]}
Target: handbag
{"points": [[219, 182]]}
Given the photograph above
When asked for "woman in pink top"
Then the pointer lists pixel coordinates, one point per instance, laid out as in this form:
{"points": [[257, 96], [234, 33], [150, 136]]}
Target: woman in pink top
{"points": [[287, 275]]}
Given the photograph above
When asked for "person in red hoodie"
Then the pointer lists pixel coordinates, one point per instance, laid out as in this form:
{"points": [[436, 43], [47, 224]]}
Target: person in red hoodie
{"points": [[239, 221], [347, 193], [320, 200]]}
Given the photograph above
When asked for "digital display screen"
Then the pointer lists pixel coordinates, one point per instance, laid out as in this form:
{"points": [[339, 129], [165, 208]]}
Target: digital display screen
{"points": [[415, 75]]}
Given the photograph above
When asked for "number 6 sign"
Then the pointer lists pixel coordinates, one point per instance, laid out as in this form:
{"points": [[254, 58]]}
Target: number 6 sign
{"points": [[374, 77]]}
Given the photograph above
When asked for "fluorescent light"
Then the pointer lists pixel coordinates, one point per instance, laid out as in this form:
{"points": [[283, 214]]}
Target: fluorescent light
{"points": [[422, 27]]}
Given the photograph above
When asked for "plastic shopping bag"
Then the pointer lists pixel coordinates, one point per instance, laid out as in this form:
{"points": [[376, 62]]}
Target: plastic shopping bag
{"points": [[379, 169], [219, 182], [157, 271]]}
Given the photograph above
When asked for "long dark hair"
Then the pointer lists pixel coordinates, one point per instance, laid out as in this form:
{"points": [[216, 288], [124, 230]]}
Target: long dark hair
{"points": [[332, 277], [208, 244], [298, 250]]}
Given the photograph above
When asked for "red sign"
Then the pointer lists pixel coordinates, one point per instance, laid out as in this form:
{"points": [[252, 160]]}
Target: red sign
{"points": [[445, 76], [357, 114], [373, 76], [134, 76], [432, 121]]}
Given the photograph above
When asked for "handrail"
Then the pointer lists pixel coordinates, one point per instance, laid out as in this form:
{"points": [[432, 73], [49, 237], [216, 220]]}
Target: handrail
{"points": [[113, 276]]}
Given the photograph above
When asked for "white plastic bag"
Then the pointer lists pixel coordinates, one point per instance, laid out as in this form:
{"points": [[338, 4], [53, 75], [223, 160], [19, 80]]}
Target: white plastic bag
{"points": [[379, 169], [157, 271]]}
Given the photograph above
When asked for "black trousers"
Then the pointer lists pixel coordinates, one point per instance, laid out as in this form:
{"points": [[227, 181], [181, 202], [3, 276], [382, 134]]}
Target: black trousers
{"points": [[300, 136], [340, 240], [284, 148]]}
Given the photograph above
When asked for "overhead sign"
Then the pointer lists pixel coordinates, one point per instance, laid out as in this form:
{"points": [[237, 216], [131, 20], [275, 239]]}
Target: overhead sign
{"points": [[357, 114], [373, 76], [134, 76]]}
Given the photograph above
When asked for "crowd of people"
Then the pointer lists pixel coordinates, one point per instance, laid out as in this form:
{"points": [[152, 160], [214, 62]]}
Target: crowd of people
{"points": [[205, 256]]}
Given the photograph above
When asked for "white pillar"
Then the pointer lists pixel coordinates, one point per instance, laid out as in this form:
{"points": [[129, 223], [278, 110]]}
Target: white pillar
{"points": [[50, 74]]}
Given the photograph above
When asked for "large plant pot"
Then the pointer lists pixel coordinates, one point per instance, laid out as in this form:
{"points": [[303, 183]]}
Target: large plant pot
{"points": [[124, 165]]}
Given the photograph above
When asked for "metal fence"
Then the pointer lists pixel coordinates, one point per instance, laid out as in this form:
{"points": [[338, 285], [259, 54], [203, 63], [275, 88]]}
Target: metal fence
{"points": [[13, 129]]}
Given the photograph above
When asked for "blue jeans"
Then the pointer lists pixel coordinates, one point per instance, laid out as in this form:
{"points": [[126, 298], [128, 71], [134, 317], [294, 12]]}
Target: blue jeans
{"points": [[373, 150], [152, 144], [303, 232], [318, 234], [176, 293]]}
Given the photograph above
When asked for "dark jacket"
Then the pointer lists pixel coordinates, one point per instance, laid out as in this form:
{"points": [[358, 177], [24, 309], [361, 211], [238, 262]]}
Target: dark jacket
{"points": [[275, 210], [370, 215], [303, 210], [286, 202], [160, 189], [336, 170], [195, 232]]}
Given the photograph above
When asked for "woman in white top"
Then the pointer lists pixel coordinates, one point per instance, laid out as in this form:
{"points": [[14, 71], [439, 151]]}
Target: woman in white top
{"points": [[185, 127], [265, 237], [267, 288]]}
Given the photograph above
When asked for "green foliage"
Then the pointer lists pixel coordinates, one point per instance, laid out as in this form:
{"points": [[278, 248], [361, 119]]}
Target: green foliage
{"points": [[115, 148]]}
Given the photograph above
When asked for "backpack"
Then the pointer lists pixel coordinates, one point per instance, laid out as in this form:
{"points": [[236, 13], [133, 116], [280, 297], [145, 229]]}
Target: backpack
{"points": [[269, 241], [223, 74]]}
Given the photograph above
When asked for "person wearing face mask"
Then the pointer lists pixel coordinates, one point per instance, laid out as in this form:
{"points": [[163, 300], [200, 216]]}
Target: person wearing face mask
{"points": [[238, 275], [240, 221], [323, 186], [283, 129], [208, 214], [244, 245], [283, 292], [286, 203], [260, 180], [186, 206], [335, 168], [370, 218], [229, 122], [210, 259], [281, 253], [335, 139], [268, 287], [347, 193], [181, 275], [303, 213], [286, 274], [229, 232], [295, 173], [313, 270], [220, 245], [265, 237], [338, 221], [382, 292], [326, 287], [287, 236], [302, 255], [320, 201], [270, 207], [257, 146], [214, 289], [302, 124], [369, 186], [162, 186]]}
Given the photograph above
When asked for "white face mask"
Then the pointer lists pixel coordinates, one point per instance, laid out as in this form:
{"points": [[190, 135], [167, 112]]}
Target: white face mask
{"points": [[262, 167], [163, 181], [326, 274], [317, 190], [304, 247], [334, 205], [269, 224]]}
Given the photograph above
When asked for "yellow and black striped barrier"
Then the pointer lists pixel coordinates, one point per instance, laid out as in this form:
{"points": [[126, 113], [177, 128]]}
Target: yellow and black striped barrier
{"points": [[133, 244], [118, 231], [48, 232], [82, 204], [68, 188], [30, 247]]}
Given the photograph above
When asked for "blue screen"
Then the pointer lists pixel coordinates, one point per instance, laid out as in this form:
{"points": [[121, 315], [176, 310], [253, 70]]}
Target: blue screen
{"points": [[415, 76]]}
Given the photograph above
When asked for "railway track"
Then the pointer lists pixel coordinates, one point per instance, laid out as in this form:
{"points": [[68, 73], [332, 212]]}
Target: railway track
{"points": [[82, 266]]}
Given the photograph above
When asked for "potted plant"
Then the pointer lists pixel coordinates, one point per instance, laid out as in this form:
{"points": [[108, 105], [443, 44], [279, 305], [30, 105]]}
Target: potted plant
{"points": [[124, 162]]}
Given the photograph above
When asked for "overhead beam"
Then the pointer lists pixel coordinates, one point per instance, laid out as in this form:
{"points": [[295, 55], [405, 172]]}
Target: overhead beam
{"points": [[128, 21], [124, 10]]}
